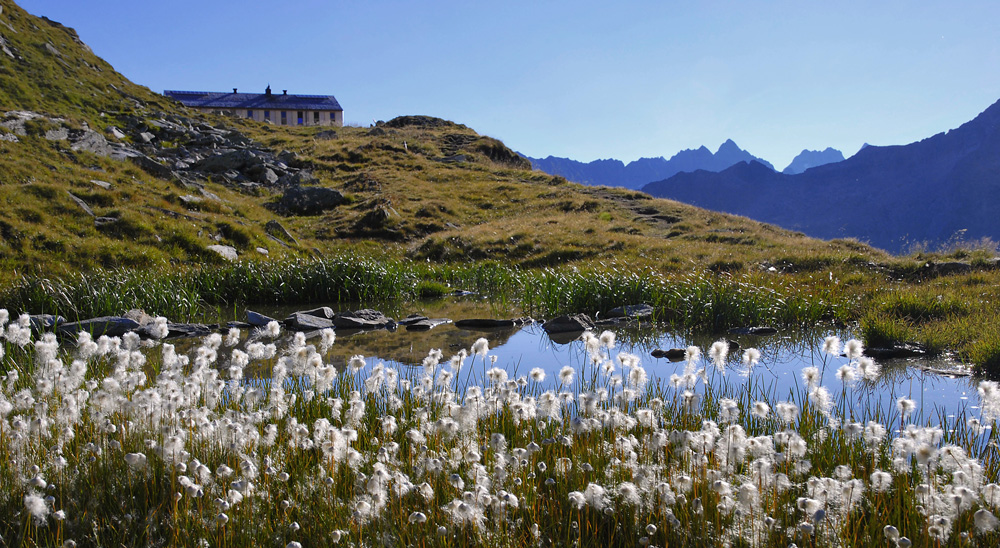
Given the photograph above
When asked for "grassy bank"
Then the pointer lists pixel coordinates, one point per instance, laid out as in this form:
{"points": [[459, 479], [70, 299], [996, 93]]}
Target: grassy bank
{"points": [[112, 443], [946, 313]]}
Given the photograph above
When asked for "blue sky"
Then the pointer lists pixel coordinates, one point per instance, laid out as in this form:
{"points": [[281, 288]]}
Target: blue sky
{"points": [[582, 79]]}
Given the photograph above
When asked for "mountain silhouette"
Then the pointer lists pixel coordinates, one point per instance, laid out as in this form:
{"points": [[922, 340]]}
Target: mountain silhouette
{"points": [[812, 158], [889, 196], [644, 170]]}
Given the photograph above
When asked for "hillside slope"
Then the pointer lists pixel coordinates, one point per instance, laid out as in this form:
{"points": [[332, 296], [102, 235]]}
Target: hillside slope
{"points": [[97, 172]]}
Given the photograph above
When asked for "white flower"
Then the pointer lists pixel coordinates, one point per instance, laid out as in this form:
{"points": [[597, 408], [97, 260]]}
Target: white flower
{"points": [[718, 352], [760, 410], [853, 349], [566, 375], [36, 506], [608, 339], [356, 363], [831, 345], [751, 357], [481, 347], [273, 329], [811, 376], [537, 374]]}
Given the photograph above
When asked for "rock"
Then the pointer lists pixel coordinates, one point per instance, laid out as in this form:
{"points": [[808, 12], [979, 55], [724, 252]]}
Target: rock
{"points": [[103, 184], [362, 319], [112, 326], [897, 350], [631, 311], [416, 322], [146, 137], [275, 229], [301, 178], [486, 323], [374, 219], [175, 330], [59, 134], [263, 251], [225, 251], [326, 134], [44, 322], [673, 354], [308, 200], [568, 324], [83, 205], [462, 293], [139, 316], [91, 141], [151, 166], [761, 330], [105, 221], [321, 312], [298, 321], [257, 319], [116, 133]]}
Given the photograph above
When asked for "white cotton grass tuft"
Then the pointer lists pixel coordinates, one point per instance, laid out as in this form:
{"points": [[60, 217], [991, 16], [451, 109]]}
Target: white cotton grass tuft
{"points": [[481, 347], [537, 374], [751, 357], [718, 353], [831, 345], [272, 329], [566, 375], [853, 349], [36, 507]]}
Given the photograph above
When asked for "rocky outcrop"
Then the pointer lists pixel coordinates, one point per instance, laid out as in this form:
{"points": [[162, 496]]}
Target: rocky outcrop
{"points": [[307, 200]]}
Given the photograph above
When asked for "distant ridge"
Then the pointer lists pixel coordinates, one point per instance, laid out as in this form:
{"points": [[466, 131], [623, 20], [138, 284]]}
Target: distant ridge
{"points": [[891, 197], [644, 170], [813, 158]]}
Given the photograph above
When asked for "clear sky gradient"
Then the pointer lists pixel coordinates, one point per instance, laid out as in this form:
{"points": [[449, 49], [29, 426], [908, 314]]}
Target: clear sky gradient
{"points": [[581, 79]]}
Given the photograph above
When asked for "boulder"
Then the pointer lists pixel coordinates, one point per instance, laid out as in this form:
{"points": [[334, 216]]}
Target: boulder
{"points": [[44, 322], [568, 324], [83, 205], [299, 321], [225, 251], [112, 326], [897, 350], [257, 319], [308, 200], [486, 323], [362, 319], [416, 322], [631, 311], [321, 312], [103, 184], [90, 141], [275, 229], [175, 330]]}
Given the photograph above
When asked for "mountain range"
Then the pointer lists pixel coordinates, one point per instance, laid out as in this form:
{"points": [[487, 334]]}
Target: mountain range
{"points": [[644, 170], [926, 193]]}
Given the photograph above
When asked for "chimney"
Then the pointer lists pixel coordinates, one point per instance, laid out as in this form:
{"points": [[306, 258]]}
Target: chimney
{"points": [[234, 91], [268, 91], [284, 92]]}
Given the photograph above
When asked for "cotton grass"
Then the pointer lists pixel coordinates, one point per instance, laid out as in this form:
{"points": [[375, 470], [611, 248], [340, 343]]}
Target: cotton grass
{"points": [[106, 442]]}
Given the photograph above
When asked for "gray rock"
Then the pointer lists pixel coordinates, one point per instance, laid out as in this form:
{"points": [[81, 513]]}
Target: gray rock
{"points": [[489, 323], [151, 166], [299, 321], [933, 270], [326, 134], [112, 326], [105, 221], [362, 319], [631, 311], [146, 137], [275, 229], [225, 251], [103, 184], [308, 200], [44, 322], [421, 323], [91, 141], [83, 205], [897, 350], [116, 133], [257, 319], [321, 312], [59, 134], [263, 251], [568, 324]]}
